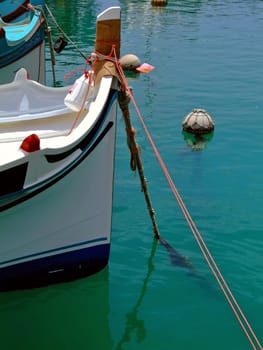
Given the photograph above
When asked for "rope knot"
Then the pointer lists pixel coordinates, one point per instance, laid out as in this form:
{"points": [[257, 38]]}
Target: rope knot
{"points": [[131, 131]]}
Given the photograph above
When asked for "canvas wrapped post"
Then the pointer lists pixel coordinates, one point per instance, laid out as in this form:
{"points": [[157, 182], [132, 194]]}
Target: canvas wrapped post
{"points": [[102, 68]]}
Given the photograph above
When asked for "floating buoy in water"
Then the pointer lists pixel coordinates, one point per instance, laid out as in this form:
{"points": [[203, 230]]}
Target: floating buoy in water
{"points": [[145, 68], [130, 62], [198, 122], [159, 2]]}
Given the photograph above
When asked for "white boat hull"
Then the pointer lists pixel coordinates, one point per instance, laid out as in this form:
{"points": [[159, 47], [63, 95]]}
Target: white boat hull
{"points": [[63, 231], [57, 173]]}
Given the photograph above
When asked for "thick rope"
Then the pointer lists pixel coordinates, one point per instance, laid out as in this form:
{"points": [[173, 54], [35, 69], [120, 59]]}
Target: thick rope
{"points": [[124, 99], [197, 235], [136, 161]]}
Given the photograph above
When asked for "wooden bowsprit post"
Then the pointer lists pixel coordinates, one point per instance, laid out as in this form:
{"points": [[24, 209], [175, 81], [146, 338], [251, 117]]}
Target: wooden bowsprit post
{"points": [[136, 162]]}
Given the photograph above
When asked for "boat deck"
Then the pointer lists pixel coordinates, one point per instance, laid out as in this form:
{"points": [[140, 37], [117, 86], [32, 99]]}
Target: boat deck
{"points": [[40, 110]]}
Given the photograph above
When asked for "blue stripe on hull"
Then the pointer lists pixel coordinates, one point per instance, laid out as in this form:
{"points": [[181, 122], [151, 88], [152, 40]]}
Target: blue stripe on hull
{"points": [[53, 269]]}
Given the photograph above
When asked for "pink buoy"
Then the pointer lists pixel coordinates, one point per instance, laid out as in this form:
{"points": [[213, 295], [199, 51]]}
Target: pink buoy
{"points": [[145, 68]]}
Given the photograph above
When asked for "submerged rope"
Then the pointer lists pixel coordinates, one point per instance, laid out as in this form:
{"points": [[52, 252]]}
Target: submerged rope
{"points": [[244, 323]]}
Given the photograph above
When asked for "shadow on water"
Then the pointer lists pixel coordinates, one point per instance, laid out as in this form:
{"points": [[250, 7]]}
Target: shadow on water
{"points": [[179, 260]]}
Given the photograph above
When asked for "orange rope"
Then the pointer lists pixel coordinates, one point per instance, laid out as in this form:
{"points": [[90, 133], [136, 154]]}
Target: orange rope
{"points": [[197, 235]]}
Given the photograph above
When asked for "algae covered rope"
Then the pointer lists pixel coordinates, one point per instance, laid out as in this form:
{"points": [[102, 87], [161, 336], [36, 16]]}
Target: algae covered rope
{"points": [[136, 161]]}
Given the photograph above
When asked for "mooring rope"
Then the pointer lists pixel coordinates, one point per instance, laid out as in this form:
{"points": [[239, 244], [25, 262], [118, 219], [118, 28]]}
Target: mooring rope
{"points": [[34, 8], [244, 323], [62, 32], [124, 99], [136, 161]]}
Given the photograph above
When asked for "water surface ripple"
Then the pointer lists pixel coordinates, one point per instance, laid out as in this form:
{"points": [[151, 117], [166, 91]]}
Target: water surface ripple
{"points": [[207, 54]]}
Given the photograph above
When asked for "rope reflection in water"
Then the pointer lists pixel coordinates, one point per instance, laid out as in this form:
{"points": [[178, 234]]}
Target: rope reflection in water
{"points": [[133, 324]]}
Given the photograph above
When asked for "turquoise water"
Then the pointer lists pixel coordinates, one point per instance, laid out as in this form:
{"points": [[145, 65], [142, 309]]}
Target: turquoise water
{"points": [[207, 54]]}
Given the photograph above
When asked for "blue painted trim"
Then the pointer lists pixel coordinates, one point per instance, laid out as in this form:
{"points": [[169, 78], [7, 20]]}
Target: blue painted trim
{"points": [[59, 268]]}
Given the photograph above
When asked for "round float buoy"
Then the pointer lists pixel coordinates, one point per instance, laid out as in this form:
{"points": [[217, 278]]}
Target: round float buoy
{"points": [[159, 2], [198, 122], [130, 62]]}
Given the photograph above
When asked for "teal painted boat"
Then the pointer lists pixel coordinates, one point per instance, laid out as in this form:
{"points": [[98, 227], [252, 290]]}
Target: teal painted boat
{"points": [[22, 45]]}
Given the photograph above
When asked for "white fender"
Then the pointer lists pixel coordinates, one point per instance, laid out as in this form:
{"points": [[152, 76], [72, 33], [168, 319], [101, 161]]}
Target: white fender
{"points": [[78, 93]]}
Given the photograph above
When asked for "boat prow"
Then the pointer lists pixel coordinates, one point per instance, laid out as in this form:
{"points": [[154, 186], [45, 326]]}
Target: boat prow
{"points": [[56, 176]]}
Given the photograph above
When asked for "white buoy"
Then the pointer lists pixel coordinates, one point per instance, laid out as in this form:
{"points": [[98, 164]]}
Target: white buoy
{"points": [[130, 62], [198, 122]]}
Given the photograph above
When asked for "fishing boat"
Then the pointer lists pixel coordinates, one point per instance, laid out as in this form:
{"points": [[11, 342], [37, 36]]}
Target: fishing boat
{"points": [[22, 41], [57, 149]]}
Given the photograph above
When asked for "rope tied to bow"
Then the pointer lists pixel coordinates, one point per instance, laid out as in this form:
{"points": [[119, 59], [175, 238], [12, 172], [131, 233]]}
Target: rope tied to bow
{"points": [[124, 99], [135, 160]]}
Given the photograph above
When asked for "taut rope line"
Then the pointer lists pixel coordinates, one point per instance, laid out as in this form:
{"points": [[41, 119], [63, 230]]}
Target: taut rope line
{"points": [[61, 31], [197, 235]]}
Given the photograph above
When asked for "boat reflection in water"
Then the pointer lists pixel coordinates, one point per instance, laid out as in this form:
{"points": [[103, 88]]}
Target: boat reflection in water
{"points": [[74, 315]]}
